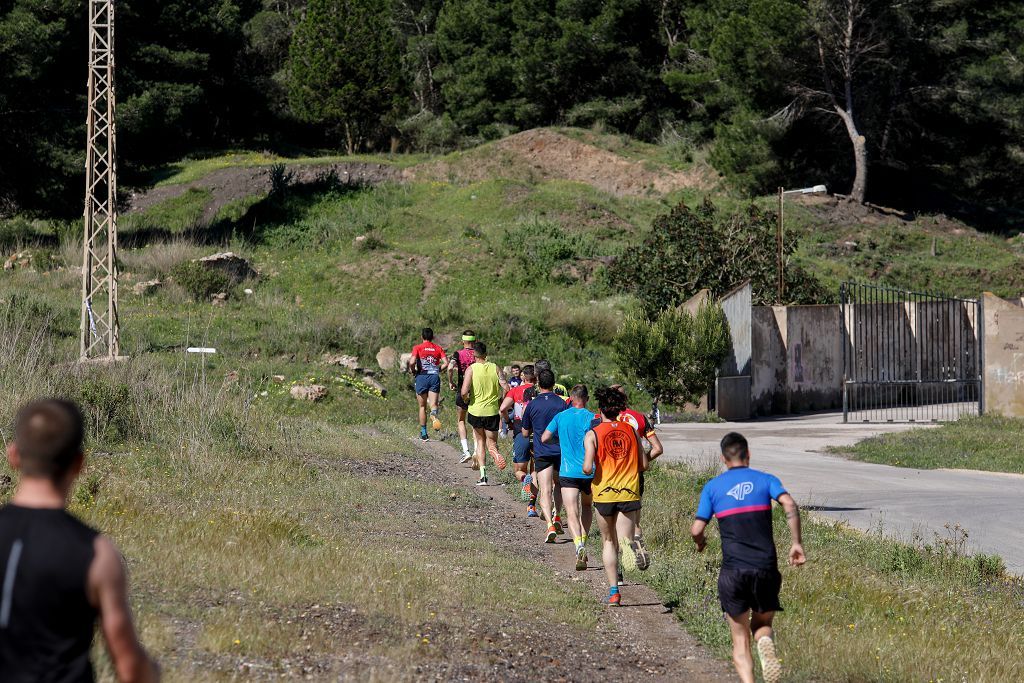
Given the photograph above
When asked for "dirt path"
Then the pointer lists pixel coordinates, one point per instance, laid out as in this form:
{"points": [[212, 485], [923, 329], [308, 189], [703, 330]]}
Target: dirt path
{"points": [[664, 652]]}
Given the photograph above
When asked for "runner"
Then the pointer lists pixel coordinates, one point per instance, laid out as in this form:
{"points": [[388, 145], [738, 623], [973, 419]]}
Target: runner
{"points": [[522, 451], [426, 364], [749, 582], [569, 428], [615, 458], [482, 390], [516, 376], [546, 457], [461, 360], [558, 389], [59, 575], [643, 426]]}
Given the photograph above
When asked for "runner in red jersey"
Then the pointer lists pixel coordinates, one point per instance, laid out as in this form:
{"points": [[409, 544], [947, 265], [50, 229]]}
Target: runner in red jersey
{"points": [[427, 363]]}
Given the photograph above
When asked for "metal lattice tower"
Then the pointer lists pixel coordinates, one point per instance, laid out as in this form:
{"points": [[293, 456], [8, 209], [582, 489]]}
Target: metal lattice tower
{"points": [[100, 329]]}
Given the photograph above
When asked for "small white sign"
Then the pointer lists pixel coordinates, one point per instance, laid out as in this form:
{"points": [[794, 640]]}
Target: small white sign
{"points": [[200, 349]]}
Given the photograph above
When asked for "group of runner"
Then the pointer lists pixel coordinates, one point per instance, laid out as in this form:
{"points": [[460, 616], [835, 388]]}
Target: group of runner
{"points": [[566, 456]]}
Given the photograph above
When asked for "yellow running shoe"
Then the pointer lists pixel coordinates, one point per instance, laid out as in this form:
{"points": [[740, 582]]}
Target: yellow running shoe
{"points": [[627, 556], [436, 422]]}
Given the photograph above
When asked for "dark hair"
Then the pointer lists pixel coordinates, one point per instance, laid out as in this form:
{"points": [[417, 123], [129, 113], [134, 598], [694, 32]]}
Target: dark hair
{"points": [[546, 379], [515, 366], [542, 365], [621, 388], [428, 334], [580, 391], [734, 447], [480, 349], [610, 401], [48, 434], [529, 372]]}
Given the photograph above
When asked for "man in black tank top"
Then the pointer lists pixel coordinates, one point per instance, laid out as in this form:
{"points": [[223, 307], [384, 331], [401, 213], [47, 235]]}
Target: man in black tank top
{"points": [[57, 575]]}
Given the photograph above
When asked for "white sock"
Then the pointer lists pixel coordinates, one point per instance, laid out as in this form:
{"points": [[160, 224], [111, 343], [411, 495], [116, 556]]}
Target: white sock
{"points": [[465, 445]]}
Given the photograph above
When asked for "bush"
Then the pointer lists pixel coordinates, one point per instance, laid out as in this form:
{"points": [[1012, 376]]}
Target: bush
{"points": [[704, 247], [200, 282], [674, 356], [16, 232], [545, 248]]}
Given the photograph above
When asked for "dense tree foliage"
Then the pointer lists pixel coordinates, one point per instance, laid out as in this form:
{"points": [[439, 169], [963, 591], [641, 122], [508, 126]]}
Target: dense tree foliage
{"points": [[917, 103], [689, 249]]}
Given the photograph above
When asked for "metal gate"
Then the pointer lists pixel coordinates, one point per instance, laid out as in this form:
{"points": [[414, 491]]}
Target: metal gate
{"points": [[909, 357]]}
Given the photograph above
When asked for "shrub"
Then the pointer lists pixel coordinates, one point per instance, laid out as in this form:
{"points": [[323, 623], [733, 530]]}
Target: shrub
{"points": [[675, 355], [15, 232], [545, 249], [200, 282], [704, 247]]}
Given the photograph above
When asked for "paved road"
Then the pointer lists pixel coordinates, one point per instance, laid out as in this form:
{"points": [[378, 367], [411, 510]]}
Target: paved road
{"points": [[989, 505]]}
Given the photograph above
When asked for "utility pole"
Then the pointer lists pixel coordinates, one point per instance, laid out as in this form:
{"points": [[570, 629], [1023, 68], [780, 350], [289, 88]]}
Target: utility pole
{"points": [[100, 334], [780, 258]]}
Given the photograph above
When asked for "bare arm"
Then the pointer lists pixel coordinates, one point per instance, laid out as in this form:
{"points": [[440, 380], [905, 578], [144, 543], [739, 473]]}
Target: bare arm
{"points": [[590, 452], [547, 436], [502, 382], [656, 447], [506, 405], [108, 592], [467, 384], [697, 534], [796, 550], [645, 462]]}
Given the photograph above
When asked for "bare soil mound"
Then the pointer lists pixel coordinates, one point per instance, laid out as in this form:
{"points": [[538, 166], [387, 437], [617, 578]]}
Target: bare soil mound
{"points": [[228, 185], [542, 154]]}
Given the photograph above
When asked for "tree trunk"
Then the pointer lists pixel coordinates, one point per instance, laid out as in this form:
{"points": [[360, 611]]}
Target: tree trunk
{"points": [[349, 142], [860, 156]]}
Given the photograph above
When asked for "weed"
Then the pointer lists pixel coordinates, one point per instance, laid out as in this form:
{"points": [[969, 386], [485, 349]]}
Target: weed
{"points": [[200, 282]]}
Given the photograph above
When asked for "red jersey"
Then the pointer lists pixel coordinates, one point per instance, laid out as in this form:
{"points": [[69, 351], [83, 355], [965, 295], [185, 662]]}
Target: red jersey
{"points": [[429, 357], [518, 395], [636, 420]]}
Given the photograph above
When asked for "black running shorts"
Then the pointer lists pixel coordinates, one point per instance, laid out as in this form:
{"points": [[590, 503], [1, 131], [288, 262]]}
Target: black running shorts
{"points": [[742, 590], [488, 423], [541, 464], [459, 401], [609, 509], [581, 483]]}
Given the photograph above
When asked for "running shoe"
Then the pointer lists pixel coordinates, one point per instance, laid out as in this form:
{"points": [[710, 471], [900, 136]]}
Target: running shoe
{"points": [[424, 437], [499, 459], [557, 525], [551, 534], [482, 482], [581, 558], [531, 510], [627, 555], [771, 667], [527, 480], [643, 558], [436, 423], [466, 457], [614, 600]]}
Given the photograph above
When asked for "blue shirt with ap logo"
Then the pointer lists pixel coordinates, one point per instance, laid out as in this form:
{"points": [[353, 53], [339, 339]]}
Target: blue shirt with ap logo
{"points": [[741, 500]]}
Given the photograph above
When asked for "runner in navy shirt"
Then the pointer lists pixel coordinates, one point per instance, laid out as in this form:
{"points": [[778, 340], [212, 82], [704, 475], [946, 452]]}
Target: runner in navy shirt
{"points": [[546, 456], [749, 582]]}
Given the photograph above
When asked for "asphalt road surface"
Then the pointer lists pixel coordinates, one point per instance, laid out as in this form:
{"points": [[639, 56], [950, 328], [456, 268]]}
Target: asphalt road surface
{"points": [[990, 506]]}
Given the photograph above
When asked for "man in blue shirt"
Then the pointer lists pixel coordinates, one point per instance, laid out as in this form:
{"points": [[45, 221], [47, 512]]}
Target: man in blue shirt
{"points": [[568, 428], [749, 582], [546, 456]]}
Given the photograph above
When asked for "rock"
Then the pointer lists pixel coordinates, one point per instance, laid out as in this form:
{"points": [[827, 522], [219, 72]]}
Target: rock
{"points": [[370, 381], [220, 299], [146, 288], [403, 360], [231, 264], [360, 240], [345, 361], [248, 292], [278, 379], [387, 358], [308, 392]]}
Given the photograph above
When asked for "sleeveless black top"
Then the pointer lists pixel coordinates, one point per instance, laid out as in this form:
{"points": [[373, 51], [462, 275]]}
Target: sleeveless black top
{"points": [[46, 621]]}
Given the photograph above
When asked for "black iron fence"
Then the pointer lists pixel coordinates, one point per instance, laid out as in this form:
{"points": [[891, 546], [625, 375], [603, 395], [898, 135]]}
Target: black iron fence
{"points": [[909, 356]]}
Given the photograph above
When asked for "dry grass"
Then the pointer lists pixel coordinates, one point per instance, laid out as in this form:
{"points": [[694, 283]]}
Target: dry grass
{"points": [[156, 260]]}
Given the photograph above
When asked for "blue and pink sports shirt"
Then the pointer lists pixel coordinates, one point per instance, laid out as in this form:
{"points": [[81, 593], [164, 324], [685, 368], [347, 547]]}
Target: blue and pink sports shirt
{"points": [[741, 500]]}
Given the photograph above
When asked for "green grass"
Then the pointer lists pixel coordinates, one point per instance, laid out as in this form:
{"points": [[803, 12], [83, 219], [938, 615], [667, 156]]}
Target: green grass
{"points": [[864, 607], [989, 442]]}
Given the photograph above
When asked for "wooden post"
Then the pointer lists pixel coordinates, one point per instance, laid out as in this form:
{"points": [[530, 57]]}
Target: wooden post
{"points": [[780, 256]]}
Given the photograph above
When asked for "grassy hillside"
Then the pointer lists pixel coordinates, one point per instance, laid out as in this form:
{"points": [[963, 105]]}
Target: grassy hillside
{"points": [[193, 460]]}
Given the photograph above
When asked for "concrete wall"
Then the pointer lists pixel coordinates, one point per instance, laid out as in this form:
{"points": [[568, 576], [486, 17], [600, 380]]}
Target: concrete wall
{"points": [[732, 389], [768, 367], [1004, 356], [814, 358]]}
